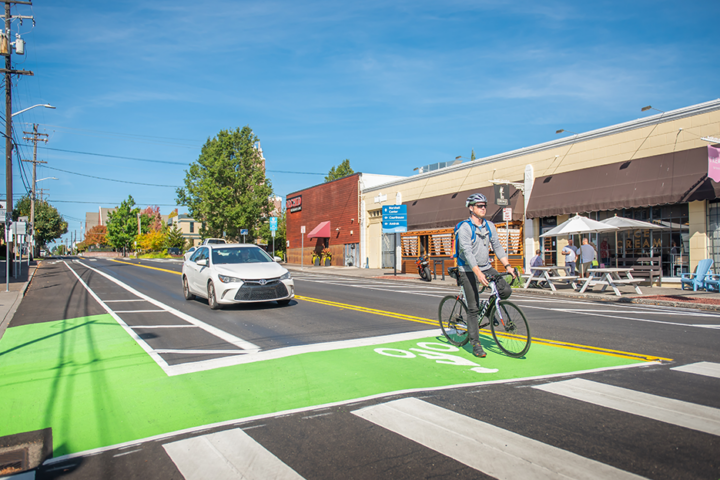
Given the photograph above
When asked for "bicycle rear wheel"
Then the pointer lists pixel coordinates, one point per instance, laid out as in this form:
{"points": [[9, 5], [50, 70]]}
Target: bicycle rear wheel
{"points": [[512, 334], [453, 316]]}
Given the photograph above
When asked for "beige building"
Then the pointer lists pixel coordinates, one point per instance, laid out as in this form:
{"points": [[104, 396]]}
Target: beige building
{"points": [[653, 169], [189, 227]]}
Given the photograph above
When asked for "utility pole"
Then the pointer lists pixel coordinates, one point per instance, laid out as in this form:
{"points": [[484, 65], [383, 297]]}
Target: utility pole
{"points": [[6, 49], [35, 139]]}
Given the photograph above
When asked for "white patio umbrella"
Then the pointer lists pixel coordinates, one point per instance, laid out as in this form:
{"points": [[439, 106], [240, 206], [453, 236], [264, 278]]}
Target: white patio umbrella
{"points": [[578, 225], [624, 224]]}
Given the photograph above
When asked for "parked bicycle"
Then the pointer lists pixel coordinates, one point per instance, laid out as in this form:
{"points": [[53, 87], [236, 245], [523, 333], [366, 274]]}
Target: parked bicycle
{"points": [[507, 322]]}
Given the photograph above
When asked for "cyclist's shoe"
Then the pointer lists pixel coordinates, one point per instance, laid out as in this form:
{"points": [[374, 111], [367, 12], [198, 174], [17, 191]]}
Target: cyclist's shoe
{"points": [[478, 350], [495, 322]]}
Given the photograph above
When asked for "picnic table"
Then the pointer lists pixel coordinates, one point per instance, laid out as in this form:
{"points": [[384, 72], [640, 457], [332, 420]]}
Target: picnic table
{"points": [[543, 274], [611, 277]]}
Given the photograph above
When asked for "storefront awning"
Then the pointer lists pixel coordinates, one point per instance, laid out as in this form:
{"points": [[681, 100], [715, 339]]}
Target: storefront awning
{"points": [[321, 231], [445, 211], [662, 179]]}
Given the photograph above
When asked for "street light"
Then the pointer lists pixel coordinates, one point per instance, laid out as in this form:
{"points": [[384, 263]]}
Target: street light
{"points": [[649, 107], [38, 105], [563, 130]]}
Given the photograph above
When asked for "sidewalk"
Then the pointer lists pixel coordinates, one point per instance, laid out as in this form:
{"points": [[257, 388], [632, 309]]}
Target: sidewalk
{"points": [[669, 295], [10, 301]]}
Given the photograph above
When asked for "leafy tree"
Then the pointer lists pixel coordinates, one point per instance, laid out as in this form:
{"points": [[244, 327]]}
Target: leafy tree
{"points": [[280, 235], [152, 241], [226, 189], [97, 235], [122, 225], [155, 222], [49, 224], [174, 238], [342, 170]]}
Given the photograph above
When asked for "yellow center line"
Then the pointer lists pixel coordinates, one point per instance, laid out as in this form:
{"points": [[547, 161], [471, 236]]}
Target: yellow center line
{"points": [[539, 341], [144, 266]]}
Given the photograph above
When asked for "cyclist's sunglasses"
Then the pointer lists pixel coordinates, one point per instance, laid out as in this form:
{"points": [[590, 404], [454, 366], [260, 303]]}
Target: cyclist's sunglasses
{"points": [[481, 205]]}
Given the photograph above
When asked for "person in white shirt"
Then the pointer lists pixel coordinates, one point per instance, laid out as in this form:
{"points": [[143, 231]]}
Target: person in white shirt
{"points": [[570, 257]]}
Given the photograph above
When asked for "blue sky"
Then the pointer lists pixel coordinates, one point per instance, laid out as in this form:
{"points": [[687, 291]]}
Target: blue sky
{"points": [[389, 85]]}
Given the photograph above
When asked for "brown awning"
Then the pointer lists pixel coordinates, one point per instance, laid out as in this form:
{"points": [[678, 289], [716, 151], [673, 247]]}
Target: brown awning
{"points": [[662, 179], [445, 211]]}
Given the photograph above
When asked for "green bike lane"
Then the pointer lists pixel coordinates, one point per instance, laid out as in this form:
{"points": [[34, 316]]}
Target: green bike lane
{"points": [[89, 381]]}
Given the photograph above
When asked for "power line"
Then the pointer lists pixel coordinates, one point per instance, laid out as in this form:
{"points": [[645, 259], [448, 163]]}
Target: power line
{"points": [[116, 203], [111, 179]]}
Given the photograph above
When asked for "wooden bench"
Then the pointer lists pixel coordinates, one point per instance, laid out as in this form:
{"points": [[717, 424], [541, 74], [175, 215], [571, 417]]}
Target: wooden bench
{"points": [[648, 268]]}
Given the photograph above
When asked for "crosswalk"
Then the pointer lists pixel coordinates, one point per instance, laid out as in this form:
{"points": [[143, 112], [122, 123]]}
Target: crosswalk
{"points": [[476, 443]]}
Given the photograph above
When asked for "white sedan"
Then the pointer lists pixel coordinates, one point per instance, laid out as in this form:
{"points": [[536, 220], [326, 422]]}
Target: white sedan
{"points": [[235, 273]]}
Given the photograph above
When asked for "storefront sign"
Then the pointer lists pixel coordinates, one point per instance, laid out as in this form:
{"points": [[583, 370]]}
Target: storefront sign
{"points": [[714, 163], [394, 218], [294, 204], [501, 195]]}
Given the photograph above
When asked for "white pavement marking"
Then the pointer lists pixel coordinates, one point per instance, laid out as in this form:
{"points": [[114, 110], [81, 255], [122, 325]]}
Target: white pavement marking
{"points": [[136, 327], [707, 369], [131, 300], [140, 311], [201, 352], [492, 450], [227, 455], [232, 339], [668, 410]]}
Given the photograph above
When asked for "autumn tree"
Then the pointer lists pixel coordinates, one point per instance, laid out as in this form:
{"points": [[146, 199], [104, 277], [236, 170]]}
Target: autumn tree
{"points": [[152, 213], [342, 170], [226, 187], [97, 235]]}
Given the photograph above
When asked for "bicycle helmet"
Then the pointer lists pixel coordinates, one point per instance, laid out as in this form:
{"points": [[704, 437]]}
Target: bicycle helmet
{"points": [[475, 198]]}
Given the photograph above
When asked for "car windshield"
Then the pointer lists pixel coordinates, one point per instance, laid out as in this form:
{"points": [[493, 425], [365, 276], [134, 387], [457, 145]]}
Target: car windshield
{"points": [[239, 255]]}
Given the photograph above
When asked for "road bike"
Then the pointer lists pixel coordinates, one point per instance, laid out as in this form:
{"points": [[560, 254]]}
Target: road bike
{"points": [[507, 322]]}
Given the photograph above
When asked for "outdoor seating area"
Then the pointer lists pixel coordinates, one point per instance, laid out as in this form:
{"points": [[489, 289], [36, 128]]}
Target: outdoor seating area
{"points": [[550, 276], [611, 277], [702, 279]]}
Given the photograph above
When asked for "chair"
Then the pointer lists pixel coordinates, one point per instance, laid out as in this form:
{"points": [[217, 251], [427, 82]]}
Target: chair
{"points": [[712, 283], [697, 279]]}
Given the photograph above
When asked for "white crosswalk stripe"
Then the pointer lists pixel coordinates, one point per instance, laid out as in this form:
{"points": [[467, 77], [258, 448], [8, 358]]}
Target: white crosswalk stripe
{"points": [[230, 454], [707, 369], [668, 410], [484, 447]]}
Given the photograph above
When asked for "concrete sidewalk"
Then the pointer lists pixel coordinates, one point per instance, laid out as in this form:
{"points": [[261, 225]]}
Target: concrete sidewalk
{"points": [[10, 300], [670, 294]]}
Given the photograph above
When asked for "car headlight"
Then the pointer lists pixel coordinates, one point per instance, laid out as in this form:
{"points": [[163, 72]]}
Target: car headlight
{"points": [[287, 276], [226, 279]]}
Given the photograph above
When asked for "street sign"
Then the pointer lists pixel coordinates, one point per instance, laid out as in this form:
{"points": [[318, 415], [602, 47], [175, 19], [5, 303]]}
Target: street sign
{"points": [[273, 225], [501, 195], [243, 231], [302, 229], [507, 214], [394, 218], [20, 228]]}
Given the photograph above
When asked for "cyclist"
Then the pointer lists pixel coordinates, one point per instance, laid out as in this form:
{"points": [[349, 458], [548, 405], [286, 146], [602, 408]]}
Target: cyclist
{"points": [[474, 236]]}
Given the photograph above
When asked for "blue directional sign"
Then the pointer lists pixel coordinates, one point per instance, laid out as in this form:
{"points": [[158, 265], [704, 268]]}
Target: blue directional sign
{"points": [[394, 218], [243, 231], [273, 224]]}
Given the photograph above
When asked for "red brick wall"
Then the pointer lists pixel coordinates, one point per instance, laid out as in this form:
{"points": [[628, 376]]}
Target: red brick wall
{"points": [[336, 202]]}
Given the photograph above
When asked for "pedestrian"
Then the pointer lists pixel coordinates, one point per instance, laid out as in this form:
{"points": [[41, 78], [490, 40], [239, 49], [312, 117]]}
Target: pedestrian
{"points": [[587, 255], [605, 252], [537, 261], [570, 257]]}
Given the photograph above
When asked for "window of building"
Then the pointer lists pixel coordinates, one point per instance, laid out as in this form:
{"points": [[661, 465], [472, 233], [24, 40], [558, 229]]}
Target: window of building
{"points": [[192, 227]]}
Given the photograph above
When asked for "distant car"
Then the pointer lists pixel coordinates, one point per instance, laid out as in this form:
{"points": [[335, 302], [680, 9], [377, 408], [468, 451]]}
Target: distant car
{"points": [[190, 252], [174, 251], [235, 273], [213, 241]]}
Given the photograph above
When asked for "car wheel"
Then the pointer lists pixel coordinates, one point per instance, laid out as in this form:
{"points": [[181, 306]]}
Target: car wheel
{"points": [[283, 303], [186, 290], [212, 299]]}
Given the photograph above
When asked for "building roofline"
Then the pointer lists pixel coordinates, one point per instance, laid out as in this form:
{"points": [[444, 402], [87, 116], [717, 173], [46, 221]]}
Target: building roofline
{"points": [[582, 137]]}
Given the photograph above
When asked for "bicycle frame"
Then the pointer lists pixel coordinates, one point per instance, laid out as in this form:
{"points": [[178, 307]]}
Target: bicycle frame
{"points": [[485, 304]]}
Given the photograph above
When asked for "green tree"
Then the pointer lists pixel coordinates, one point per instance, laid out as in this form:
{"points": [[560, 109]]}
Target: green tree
{"points": [[226, 187], [174, 238], [342, 170], [122, 225], [280, 235], [49, 224]]}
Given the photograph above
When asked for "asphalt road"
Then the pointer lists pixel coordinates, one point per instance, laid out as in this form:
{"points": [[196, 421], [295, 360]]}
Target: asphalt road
{"points": [[609, 422]]}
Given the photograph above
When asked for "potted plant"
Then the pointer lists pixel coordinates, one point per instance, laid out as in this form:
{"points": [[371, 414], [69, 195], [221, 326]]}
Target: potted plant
{"points": [[326, 257], [315, 259]]}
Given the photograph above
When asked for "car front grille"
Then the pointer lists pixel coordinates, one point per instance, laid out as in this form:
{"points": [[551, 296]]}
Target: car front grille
{"points": [[253, 290]]}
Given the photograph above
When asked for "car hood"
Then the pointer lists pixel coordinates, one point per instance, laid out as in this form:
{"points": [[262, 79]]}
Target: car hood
{"points": [[251, 271]]}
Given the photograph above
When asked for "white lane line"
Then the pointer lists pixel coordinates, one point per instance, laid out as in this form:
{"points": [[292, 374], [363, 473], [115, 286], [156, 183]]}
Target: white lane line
{"points": [[201, 352], [118, 301], [148, 349], [127, 453], [226, 455], [136, 327], [708, 369], [232, 339], [668, 410], [492, 450], [140, 311]]}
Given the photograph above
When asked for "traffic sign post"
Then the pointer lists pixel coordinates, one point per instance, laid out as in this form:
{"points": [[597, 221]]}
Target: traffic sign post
{"points": [[302, 246], [243, 232], [507, 216], [273, 228], [394, 220]]}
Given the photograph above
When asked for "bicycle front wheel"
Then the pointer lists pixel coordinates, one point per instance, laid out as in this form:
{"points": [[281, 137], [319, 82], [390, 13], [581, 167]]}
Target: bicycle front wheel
{"points": [[512, 333], [453, 316]]}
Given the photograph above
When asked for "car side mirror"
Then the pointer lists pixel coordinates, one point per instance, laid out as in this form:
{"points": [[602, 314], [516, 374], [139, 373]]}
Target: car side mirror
{"points": [[277, 259], [202, 262]]}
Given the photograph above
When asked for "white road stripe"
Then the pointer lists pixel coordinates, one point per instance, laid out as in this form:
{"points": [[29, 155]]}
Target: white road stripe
{"points": [[201, 352], [136, 327], [227, 455], [492, 450], [707, 369], [140, 311], [118, 301], [668, 410]]}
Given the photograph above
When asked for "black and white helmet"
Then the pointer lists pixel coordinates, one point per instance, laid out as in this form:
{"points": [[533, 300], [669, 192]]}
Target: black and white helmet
{"points": [[475, 198]]}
